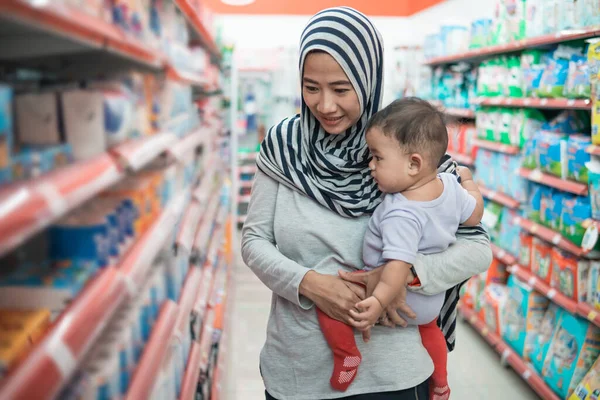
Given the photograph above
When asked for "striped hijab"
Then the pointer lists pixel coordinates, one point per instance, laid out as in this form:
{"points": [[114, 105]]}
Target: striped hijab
{"points": [[332, 169]]}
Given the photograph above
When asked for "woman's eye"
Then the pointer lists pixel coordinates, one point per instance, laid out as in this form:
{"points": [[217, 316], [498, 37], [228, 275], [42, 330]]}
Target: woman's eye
{"points": [[311, 89], [342, 91]]}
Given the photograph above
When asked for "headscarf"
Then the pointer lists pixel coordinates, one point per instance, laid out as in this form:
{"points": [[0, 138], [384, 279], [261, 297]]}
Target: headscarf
{"points": [[332, 169]]}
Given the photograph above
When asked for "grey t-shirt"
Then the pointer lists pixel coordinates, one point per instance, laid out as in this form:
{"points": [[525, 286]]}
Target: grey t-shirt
{"points": [[401, 228]]}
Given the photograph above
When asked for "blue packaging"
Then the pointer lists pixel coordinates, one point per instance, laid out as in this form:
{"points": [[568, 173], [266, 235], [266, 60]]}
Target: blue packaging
{"points": [[552, 148], [578, 157], [541, 342], [6, 125], [534, 209], [594, 186], [568, 122], [518, 187], [576, 211], [552, 204], [554, 78], [509, 230]]}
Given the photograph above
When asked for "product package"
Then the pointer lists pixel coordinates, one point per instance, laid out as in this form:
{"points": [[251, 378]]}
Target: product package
{"points": [[589, 387], [37, 119], [525, 249], [578, 157], [574, 348], [552, 148], [509, 230], [525, 123], [6, 126], [593, 289], [83, 121], [495, 298], [570, 275], [576, 211], [541, 342], [541, 259]]}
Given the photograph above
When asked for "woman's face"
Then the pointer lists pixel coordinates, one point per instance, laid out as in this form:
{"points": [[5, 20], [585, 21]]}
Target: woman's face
{"points": [[328, 93]]}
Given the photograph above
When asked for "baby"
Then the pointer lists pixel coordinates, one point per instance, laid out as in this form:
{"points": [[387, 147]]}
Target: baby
{"points": [[420, 213]]}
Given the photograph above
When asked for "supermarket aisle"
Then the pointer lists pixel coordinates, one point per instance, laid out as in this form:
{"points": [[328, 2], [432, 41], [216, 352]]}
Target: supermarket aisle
{"points": [[474, 369]]}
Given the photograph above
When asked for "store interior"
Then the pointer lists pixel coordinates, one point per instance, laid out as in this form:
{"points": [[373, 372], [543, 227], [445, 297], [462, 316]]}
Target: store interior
{"points": [[129, 133]]}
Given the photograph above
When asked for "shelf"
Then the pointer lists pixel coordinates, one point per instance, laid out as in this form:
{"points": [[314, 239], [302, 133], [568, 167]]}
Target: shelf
{"points": [[156, 349], [460, 112], [186, 77], [244, 199], [248, 184], [247, 156], [137, 153], [187, 299], [550, 236], [535, 175], [138, 260], [560, 104], [189, 226], [508, 355], [241, 219], [27, 208], [189, 143], [201, 33], [462, 159], [206, 229], [206, 339], [526, 276], [247, 169], [503, 256], [589, 313], [540, 41], [202, 296], [498, 147], [55, 30], [51, 364], [192, 371], [499, 197]]}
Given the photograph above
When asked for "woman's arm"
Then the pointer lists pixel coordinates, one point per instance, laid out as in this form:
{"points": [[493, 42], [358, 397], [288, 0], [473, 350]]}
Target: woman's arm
{"points": [[286, 278], [469, 256]]}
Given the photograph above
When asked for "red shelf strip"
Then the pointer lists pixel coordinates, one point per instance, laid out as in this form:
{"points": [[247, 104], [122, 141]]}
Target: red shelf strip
{"points": [[26, 208], [191, 15], [561, 104], [539, 41], [591, 314], [186, 77], [537, 176], [192, 371], [189, 226], [499, 147], [154, 353], [550, 236], [49, 367], [499, 197], [509, 355], [460, 112], [247, 169], [545, 289], [503, 256], [135, 154], [462, 159], [187, 298], [189, 143]]}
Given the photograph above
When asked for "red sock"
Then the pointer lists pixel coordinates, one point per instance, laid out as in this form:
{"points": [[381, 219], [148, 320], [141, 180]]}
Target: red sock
{"points": [[435, 343], [346, 357]]}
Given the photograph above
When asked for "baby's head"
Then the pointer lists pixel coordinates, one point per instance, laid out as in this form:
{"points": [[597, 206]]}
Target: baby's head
{"points": [[407, 140]]}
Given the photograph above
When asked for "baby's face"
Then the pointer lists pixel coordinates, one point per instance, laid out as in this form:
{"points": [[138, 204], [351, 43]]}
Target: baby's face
{"points": [[389, 164]]}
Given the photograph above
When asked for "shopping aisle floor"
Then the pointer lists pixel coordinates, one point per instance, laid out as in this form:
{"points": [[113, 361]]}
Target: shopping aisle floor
{"points": [[474, 368]]}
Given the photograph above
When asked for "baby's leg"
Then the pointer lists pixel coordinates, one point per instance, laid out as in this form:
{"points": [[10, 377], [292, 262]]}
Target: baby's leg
{"points": [[427, 308]]}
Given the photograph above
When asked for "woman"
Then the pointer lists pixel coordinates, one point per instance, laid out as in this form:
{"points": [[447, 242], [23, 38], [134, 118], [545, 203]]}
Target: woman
{"points": [[310, 205]]}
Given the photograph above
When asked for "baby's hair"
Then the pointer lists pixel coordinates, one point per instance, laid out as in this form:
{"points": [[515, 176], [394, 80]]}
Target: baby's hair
{"points": [[416, 125]]}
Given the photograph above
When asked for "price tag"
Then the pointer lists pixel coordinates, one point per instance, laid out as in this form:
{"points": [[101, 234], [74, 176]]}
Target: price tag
{"points": [[518, 220], [592, 316], [536, 175], [473, 319], [590, 238], [485, 331], [526, 102], [543, 102], [527, 374], [534, 229], [551, 293], [504, 357], [556, 239], [571, 102], [532, 281], [501, 254], [491, 195], [508, 101]]}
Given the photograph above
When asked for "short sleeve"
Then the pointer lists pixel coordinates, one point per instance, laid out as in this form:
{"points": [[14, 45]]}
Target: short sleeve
{"points": [[400, 233]]}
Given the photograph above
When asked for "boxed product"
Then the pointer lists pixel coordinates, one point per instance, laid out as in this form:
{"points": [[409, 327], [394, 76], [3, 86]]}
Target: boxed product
{"points": [[593, 288], [496, 273], [525, 249], [509, 230], [34, 161], [554, 78], [587, 12], [589, 387], [552, 150], [541, 259], [504, 125], [470, 291], [20, 330], [574, 348], [523, 313], [577, 157], [530, 152], [118, 116], [534, 209], [568, 122], [578, 79], [541, 342], [517, 186], [480, 31], [495, 297], [525, 123], [569, 275], [83, 122], [37, 119], [576, 211], [551, 206], [6, 125], [491, 217], [484, 167], [534, 18]]}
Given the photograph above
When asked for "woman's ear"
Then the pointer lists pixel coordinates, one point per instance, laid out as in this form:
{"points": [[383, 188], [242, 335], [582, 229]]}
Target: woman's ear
{"points": [[415, 164]]}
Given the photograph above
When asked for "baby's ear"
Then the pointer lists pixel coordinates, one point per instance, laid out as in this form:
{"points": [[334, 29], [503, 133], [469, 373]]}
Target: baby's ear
{"points": [[415, 163]]}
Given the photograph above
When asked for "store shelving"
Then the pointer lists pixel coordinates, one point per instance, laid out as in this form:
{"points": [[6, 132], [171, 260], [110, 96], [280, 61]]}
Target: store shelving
{"points": [[244, 199], [136, 153], [52, 29], [201, 33], [537, 176], [591, 314], [192, 371], [559, 104], [50, 365], [187, 144], [189, 226], [186, 77], [248, 184], [498, 197], [187, 298], [460, 112], [508, 355], [462, 159], [545, 289], [156, 349], [248, 169], [498, 147], [550, 236], [540, 41], [503, 256], [28, 207]]}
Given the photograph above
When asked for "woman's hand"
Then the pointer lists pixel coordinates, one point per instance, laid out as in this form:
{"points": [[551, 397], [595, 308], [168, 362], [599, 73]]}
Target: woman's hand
{"points": [[334, 296], [367, 279]]}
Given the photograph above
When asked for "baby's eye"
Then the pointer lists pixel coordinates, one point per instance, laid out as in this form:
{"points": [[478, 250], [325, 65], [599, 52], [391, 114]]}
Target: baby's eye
{"points": [[377, 158]]}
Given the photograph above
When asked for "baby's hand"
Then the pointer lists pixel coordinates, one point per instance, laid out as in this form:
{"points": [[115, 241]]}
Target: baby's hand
{"points": [[464, 173], [370, 310]]}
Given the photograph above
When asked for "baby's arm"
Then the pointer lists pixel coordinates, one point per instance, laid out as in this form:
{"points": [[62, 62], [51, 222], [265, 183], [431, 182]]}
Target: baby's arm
{"points": [[470, 186], [393, 278]]}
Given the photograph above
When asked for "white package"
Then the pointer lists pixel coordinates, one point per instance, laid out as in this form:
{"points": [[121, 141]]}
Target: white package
{"points": [[83, 119]]}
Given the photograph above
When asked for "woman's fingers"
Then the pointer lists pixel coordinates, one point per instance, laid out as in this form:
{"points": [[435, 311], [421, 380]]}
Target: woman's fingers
{"points": [[358, 290], [356, 278]]}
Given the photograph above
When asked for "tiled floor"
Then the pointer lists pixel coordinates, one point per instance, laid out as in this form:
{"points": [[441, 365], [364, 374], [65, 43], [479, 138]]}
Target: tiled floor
{"points": [[474, 368]]}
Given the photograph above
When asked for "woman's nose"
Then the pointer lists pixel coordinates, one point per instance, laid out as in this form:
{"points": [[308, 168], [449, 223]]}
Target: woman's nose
{"points": [[326, 104]]}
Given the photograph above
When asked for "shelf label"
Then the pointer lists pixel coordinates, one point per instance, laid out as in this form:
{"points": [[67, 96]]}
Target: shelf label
{"points": [[527, 374], [485, 331], [590, 238], [534, 228], [62, 356], [536, 175], [556, 239], [532, 281], [505, 355], [473, 319], [571, 102], [551, 293], [501, 254], [526, 102], [543, 102], [592, 316]]}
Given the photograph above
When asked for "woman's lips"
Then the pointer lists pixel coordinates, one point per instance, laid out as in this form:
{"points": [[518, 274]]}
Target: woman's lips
{"points": [[329, 121]]}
